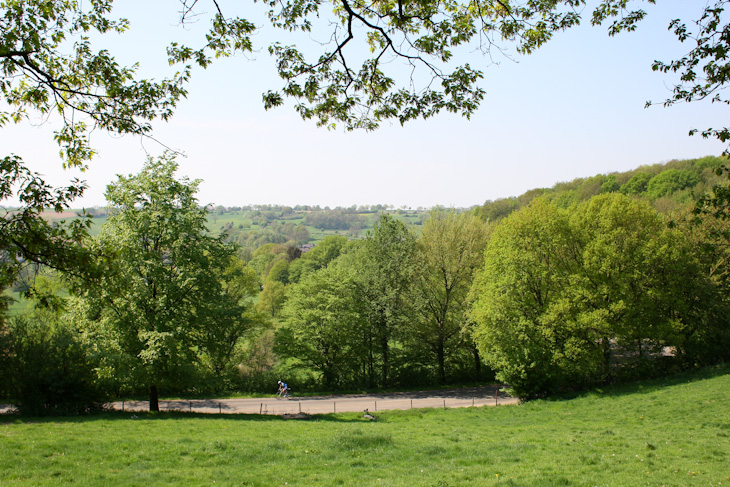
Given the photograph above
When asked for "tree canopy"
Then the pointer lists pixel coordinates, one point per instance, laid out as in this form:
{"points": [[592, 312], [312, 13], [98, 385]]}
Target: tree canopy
{"points": [[161, 295], [450, 250], [49, 62], [383, 60], [323, 327], [569, 297]]}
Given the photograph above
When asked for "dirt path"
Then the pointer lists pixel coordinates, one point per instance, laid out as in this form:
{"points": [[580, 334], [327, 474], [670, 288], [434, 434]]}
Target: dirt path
{"points": [[451, 398], [447, 398]]}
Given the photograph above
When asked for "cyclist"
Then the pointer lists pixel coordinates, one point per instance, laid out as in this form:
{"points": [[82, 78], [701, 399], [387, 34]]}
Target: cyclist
{"points": [[283, 389]]}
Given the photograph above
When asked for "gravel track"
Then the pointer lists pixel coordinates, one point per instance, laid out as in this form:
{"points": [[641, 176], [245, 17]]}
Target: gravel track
{"points": [[448, 398]]}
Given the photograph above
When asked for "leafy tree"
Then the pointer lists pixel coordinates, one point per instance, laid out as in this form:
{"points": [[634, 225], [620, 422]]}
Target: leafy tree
{"points": [[293, 253], [631, 272], [279, 272], [161, 292], [47, 292], [301, 234], [321, 324], [669, 181], [332, 220], [493, 211], [49, 63], [563, 295], [610, 184], [637, 183], [49, 67], [590, 187], [704, 70], [272, 298], [450, 250], [527, 265], [227, 324], [710, 231], [386, 269], [301, 268], [261, 263], [326, 250], [26, 238]]}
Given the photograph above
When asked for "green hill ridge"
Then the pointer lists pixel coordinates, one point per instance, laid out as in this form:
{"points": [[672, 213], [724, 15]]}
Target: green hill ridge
{"points": [[669, 187]]}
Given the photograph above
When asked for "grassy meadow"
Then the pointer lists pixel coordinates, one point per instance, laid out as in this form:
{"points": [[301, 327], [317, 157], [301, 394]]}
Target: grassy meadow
{"points": [[672, 432]]}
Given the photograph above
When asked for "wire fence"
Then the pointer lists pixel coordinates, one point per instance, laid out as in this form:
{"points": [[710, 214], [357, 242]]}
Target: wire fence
{"points": [[283, 406]]}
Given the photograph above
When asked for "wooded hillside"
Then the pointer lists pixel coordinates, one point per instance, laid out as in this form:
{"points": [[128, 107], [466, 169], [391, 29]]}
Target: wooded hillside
{"points": [[668, 187]]}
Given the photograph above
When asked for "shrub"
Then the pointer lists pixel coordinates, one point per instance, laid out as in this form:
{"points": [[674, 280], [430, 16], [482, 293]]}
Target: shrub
{"points": [[46, 369]]}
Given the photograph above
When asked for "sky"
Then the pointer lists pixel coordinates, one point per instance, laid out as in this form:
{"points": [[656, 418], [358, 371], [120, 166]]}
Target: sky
{"points": [[575, 108]]}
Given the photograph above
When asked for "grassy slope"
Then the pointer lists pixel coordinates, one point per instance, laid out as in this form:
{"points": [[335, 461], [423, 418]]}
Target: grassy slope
{"points": [[674, 432]]}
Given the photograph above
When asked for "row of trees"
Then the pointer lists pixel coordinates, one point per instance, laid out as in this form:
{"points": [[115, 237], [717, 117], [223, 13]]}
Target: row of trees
{"points": [[163, 305], [562, 298], [549, 298], [389, 309], [334, 220]]}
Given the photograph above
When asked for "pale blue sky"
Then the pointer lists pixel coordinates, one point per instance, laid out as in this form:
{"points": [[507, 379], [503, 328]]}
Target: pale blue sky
{"points": [[574, 108]]}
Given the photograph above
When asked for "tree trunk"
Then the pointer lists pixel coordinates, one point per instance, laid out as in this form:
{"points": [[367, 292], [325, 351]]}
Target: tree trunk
{"points": [[371, 362], [440, 354], [154, 400], [385, 350], [477, 363], [606, 348]]}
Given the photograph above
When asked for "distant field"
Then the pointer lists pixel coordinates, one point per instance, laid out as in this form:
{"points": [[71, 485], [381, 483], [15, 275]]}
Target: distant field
{"points": [[61, 215], [673, 432], [217, 222]]}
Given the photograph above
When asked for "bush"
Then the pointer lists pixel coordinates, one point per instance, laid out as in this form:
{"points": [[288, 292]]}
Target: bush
{"points": [[46, 369]]}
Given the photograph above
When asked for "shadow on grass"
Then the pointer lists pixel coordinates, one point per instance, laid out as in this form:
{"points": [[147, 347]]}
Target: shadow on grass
{"points": [[647, 385], [613, 390], [181, 415]]}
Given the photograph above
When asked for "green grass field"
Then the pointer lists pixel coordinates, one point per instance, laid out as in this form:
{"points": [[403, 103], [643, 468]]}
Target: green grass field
{"points": [[673, 432]]}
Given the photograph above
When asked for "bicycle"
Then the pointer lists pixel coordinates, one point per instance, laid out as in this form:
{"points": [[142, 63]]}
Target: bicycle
{"points": [[284, 394]]}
